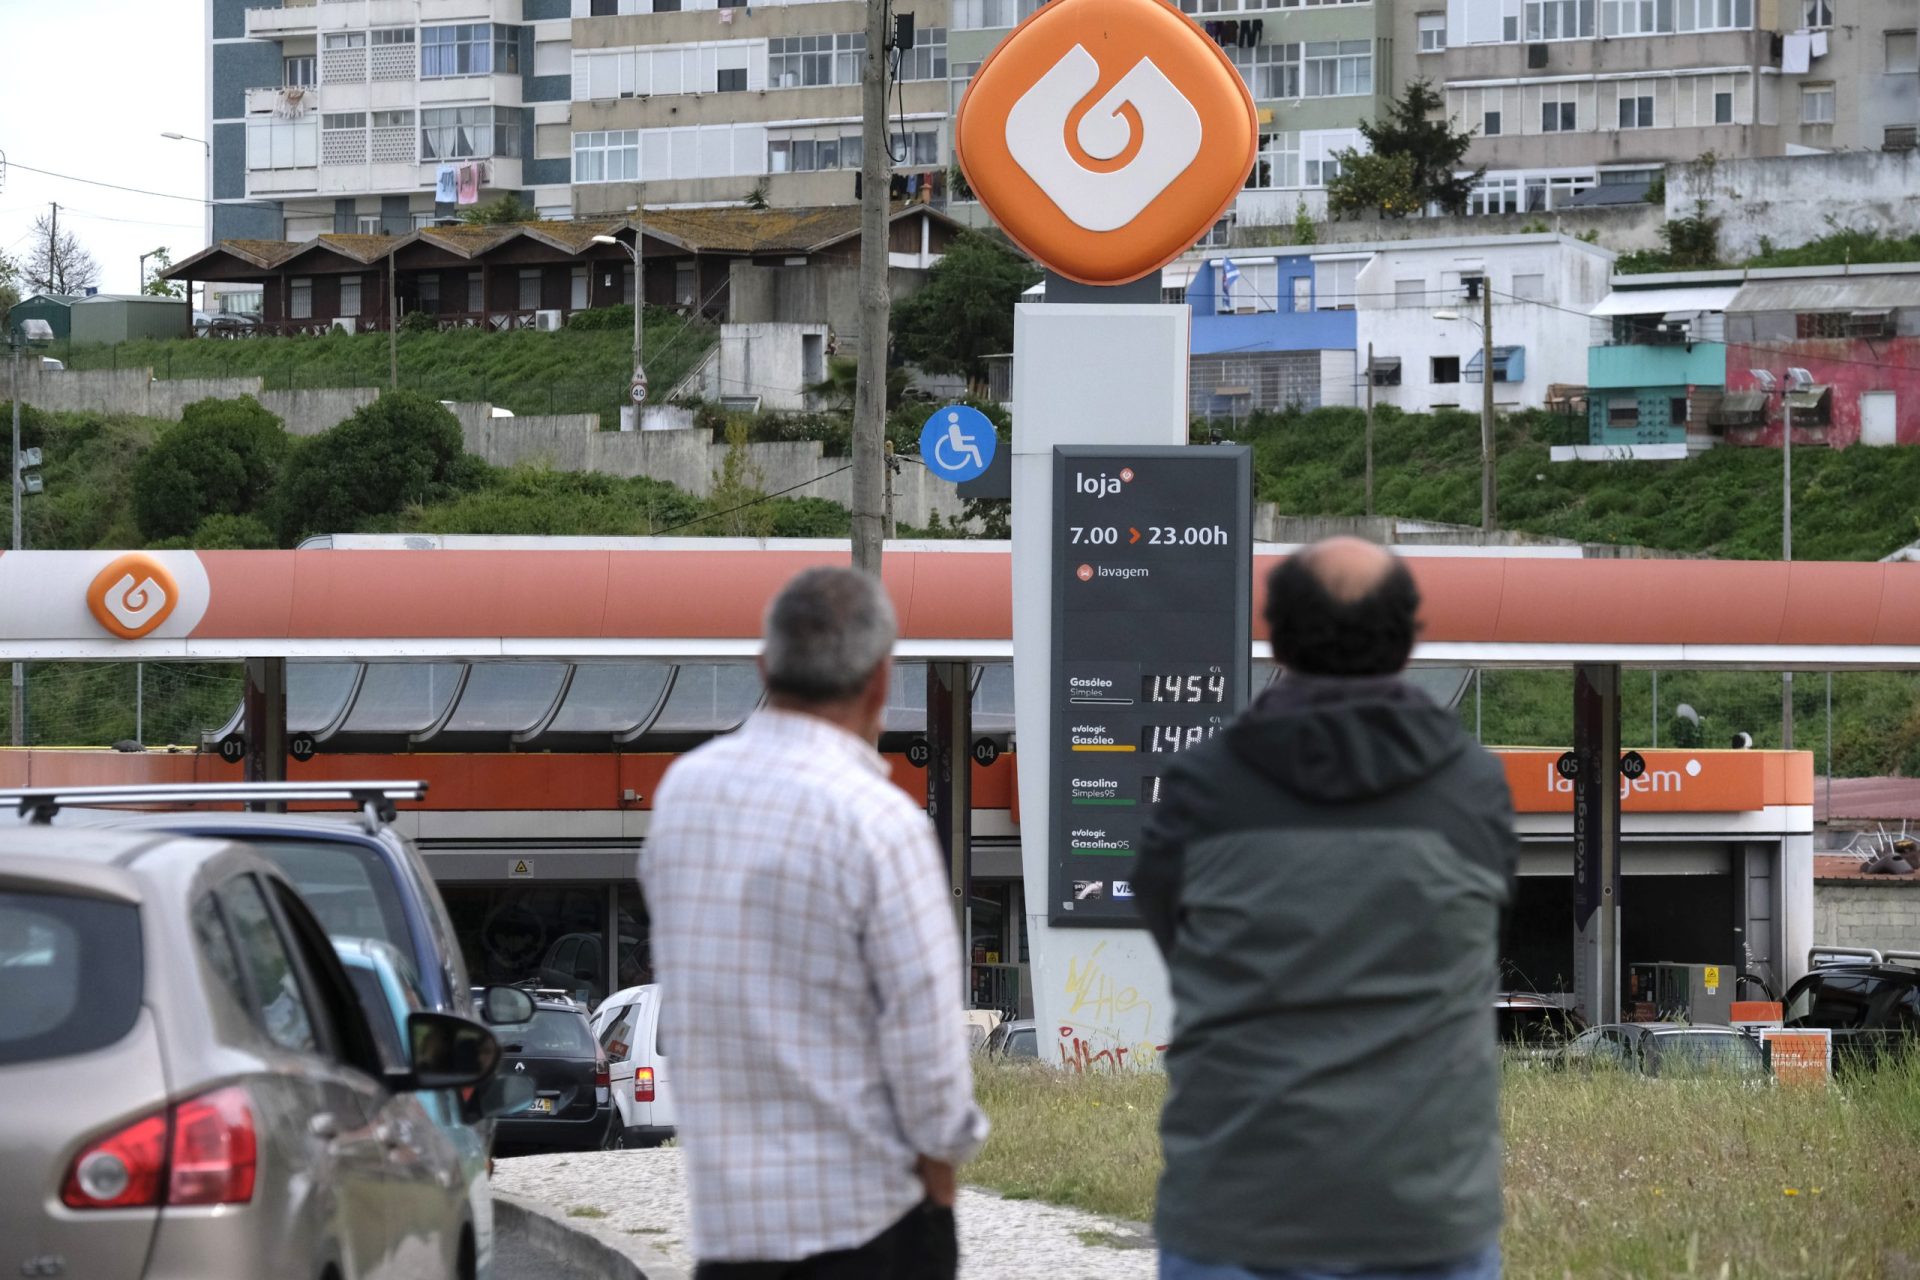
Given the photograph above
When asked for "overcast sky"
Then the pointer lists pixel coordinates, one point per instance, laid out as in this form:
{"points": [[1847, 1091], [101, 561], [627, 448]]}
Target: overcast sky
{"points": [[86, 89]]}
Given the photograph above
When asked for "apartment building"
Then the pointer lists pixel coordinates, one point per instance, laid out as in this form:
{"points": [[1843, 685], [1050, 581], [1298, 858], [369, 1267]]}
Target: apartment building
{"points": [[717, 102], [1566, 96], [338, 116]]}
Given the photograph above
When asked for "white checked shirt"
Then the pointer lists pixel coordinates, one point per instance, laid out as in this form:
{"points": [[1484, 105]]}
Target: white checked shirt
{"points": [[804, 938]]}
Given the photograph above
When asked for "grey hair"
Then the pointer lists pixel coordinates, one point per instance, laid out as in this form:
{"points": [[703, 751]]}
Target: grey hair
{"points": [[826, 632]]}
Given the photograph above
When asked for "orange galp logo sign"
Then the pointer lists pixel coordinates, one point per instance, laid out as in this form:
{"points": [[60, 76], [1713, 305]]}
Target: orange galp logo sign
{"points": [[1106, 136]]}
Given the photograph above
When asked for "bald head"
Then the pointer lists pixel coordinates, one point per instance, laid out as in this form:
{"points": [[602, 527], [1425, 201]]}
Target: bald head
{"points": [[1343, 607]]}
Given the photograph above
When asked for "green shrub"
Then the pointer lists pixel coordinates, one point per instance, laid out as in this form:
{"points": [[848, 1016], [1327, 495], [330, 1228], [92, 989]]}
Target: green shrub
{"points": [[615, 317], [222, 459], [402, 449]]}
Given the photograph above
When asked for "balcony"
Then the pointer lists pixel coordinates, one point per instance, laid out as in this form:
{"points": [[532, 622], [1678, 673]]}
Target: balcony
{"points": [[274, 100], [295, 18]]}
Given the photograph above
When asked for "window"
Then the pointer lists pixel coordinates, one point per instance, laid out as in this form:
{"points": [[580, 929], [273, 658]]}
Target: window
{"points": [[1902, 54], [529, 288], [476, 292], [460, 133], [269, 968], [297, 71], [392, 36], [603, 8], [350, 295], [1530, 288], [796, 62], [426, 293], [217, 949], [1335, 283], [367, 224], [927, 60], [1714, 15], [1559, 117], [730, 80], [469, 49], [986, 15], [1816, 13], [1559, 19], [607, 156], [344, 120], [1433, 32], [666, 6], [300, 301], [74, 974], [1636, 112], [1471, 283], [1385, 371], [1338, 68], [684, 284], [1636, 17], [1247, 287], [1445, 369], [1303, 293], [577, 290], [919, 147], [1490, 124], [1270, 70], [1816, 104], [1509, 365], [1723, 108], [1409, 293], [1677, 411], [345, 40], [1623, 411]]}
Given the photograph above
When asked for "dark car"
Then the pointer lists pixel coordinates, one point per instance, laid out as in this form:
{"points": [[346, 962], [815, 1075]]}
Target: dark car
{"points": [[572, 1107], [1668, 1050], [1532, 1027], [1870, 1002], [1014, 1039]]}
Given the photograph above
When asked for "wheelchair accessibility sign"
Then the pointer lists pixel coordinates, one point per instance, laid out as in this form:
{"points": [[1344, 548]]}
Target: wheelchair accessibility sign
{"points": [[957, 443]]}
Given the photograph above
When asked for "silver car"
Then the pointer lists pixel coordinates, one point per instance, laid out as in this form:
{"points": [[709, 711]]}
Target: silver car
{"points": [[189, 1087]]}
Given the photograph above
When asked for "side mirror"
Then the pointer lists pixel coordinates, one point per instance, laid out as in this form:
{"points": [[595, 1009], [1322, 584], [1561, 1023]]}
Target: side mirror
{"points": [[503, 1095], [505, 1006], [449, 1052]]}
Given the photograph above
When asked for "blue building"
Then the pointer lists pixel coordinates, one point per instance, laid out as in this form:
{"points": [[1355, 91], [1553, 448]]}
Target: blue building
{"points": [[1271, 328], [1657, 363]]}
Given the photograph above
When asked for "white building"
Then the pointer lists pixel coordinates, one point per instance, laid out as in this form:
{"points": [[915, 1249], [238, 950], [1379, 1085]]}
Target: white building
{"points": [[1418, 303]]}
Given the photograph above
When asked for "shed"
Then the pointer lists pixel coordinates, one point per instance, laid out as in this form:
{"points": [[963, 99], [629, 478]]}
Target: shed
{"points": [[120, 317], [54, 308]]}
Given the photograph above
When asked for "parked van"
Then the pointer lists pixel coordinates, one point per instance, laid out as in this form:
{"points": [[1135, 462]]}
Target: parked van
{"points": [[627, 1025]]}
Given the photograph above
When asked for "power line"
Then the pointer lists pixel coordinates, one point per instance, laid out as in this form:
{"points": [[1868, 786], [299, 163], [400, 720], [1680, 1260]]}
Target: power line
{"points": [[142, 191], [765, 497]]}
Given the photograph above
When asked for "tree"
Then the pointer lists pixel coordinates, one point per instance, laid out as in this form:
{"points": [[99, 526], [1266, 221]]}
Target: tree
{"points": [[222, 459], [836, 390], [964, 312], [1413, 159], [403, 449], [9, 284], [498, 213], [738, 497], [154, 285], [57, 263]]}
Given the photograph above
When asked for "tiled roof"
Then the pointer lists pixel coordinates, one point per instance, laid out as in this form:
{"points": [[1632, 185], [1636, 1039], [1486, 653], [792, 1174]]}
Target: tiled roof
{"points": [[1844, 866]]}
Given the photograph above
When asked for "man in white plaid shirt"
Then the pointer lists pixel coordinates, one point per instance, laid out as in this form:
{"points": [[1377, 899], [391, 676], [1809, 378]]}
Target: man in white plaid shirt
{"points": [[805, 942]]}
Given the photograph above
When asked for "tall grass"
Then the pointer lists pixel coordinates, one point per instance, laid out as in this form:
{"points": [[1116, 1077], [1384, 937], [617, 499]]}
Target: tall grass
{"points": [[1606, 1175]]}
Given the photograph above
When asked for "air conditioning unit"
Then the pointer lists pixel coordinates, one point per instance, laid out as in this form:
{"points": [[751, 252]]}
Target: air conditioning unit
{"points": [[548, 321]]}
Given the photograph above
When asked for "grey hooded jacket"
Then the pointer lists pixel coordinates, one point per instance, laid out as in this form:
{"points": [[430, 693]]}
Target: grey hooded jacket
{"points": [[1326, 880]]}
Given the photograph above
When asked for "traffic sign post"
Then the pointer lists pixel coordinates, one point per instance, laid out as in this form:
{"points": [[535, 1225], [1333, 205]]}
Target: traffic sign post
{"points": [[958, 443]]}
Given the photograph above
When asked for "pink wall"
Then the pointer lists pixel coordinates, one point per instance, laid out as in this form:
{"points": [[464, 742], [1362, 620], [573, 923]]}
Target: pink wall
{"points": [[1850, 366]]}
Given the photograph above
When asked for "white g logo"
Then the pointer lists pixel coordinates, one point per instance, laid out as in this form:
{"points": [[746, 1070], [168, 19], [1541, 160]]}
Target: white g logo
{"points": [[1144, 101], [133, 604]]}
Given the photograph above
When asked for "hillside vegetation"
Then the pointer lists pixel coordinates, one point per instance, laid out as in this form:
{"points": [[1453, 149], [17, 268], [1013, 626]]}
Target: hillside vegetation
{"points": [[1848, 504], [572, 371]]}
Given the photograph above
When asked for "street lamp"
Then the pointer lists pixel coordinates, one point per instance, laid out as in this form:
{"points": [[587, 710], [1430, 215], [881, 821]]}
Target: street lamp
{"points": [[27, 333], [1798, 379], [143, 265], [635, 251], [1488, 496], [206, 179]]}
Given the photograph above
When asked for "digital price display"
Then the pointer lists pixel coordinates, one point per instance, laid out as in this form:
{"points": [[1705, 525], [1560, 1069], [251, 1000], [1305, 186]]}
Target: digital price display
{"points": [[1152, 603]]}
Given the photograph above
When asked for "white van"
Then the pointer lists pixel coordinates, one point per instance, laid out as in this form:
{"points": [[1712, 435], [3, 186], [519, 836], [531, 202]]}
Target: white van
{"points": [[627, 1025]]}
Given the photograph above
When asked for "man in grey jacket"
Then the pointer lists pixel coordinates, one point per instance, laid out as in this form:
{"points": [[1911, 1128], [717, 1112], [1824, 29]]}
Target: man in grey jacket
{"points": [[1326, 880]]}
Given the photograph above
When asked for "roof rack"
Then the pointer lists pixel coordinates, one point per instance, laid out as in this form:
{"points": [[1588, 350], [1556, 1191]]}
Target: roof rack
{"points": [[1817, 956], [376, 801]]}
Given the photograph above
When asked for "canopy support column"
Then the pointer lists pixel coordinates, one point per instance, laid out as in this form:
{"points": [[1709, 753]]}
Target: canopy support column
{"points": [[1596, 841], [950, 783], [265, 727]]}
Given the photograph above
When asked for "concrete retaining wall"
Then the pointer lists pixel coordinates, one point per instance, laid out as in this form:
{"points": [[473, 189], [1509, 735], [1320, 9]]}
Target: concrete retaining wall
{"points": [[1790, 199], [1884, 916]]}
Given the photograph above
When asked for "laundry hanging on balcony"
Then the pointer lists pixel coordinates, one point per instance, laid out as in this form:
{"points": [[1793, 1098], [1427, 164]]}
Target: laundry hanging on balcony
{"points": [[446, 185], [469, 184]]}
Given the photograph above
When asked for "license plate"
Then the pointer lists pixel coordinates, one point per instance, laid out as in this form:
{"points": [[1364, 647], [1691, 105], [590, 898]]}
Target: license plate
{"points": [[542, 1106]]}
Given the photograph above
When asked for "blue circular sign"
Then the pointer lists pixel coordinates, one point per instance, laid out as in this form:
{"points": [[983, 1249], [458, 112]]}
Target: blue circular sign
{"points": [[957, 443]]}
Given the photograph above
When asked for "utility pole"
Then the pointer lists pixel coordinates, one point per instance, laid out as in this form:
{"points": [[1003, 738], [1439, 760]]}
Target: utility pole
{"points": [[1369, 428], [393, 322], [886, 522], [1488, 517], [1786, 555], [56, 274], [17, 722], [870, 388]]}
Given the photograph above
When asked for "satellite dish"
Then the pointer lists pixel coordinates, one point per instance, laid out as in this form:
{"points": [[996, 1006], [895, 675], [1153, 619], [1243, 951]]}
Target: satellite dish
{"points": [[1742, 742], [1686, 712]]}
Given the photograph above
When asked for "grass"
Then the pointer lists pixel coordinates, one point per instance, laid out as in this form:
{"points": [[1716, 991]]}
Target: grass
{"points": [[572, 371], [585, 1211], [1849, 504], [1606, 1175]]}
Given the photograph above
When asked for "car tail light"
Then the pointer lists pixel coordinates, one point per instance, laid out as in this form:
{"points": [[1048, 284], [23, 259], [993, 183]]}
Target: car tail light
{"points": [[123, 1170], [602, 1074], [643, 1084], [200, 1151], [213, 1149]]}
